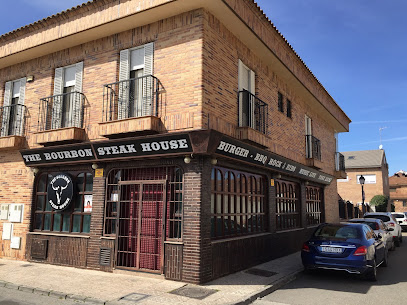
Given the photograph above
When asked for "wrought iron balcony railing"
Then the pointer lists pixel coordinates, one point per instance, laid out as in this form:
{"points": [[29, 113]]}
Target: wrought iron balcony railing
{"points": [[132, 98], [12, 120], [61, 111], [312, 147], [339, 162], [253, 112]]}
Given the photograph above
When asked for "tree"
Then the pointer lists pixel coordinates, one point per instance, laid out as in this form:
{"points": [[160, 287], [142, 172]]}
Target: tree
{"points": [[380, 202]]}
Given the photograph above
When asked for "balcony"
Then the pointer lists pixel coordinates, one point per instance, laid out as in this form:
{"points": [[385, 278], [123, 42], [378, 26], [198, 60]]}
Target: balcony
{"points": [[131, 107], [12, 123], [253, 119], [313, 151], [340, 166], [61, 119]]}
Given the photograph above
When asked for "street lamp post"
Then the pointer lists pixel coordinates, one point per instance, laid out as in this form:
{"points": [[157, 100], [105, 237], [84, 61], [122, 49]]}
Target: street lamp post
{"points": [[362, 182]]}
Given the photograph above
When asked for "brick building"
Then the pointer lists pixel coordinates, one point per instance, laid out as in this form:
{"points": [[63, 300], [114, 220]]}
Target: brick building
{"points": [[372, 164], [185, 138], [398, 191]]}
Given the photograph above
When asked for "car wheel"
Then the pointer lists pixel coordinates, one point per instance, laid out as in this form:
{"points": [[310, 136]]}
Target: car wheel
{"points": [[371, 274], [385, 259], [393, 246]]}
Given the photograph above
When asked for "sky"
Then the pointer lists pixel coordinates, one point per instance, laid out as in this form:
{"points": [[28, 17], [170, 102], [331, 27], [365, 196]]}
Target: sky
{"points": [[356, 48]]}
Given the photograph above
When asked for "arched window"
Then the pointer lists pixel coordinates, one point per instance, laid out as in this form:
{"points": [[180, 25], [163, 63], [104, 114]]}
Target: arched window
{"points": [[74, 219], [314, 205], [237, 204], [288, 210]]}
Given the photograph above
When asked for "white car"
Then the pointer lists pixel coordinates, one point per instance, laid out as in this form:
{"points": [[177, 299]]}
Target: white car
{"points": [[391, 222], [402, 219], [380, 228]]}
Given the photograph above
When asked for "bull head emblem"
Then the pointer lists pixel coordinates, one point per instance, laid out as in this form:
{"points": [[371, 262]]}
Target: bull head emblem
{"points": [[58, 190]]}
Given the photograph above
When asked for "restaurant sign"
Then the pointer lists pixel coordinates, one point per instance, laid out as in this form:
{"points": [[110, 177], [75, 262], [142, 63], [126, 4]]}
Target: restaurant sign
{"points": [[237, 150], [116, 149]]}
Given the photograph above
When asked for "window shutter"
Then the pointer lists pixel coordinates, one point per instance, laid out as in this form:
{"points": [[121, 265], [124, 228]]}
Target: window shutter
{"points": [[251, 99], [77, 98], [19, 112], [57, 99], [6, 110], [240, 88], [148, 82], [124, 87]]}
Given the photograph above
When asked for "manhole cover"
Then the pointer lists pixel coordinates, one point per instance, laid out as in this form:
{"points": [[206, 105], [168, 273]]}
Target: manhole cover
{"points": [[194, 292], [260, 272], [134, 297]]}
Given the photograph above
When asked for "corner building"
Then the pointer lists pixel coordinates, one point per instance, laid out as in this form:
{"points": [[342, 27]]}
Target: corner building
{"points": [[184, 138]]}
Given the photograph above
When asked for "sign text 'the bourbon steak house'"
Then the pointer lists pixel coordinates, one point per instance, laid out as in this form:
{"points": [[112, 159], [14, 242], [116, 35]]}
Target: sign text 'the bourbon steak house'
{"points": [[128, 148]]}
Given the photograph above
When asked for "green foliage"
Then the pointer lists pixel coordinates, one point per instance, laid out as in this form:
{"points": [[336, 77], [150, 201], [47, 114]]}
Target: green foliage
{"points": [[380, 202]]}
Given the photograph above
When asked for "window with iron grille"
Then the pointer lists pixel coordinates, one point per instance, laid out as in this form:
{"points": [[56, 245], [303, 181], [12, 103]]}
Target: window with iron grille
{"points": [[288, 108], [314, 205], [280, 102], [76, 218], [174, 196], [288, 204], [237, 203]]}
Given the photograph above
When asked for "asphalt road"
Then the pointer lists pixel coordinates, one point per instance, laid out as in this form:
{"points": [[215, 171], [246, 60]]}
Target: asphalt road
{"points": [[332, 288]]}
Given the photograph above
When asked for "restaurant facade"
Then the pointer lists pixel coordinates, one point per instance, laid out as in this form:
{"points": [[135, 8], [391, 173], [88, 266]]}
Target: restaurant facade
{"points": [[174, 139]]}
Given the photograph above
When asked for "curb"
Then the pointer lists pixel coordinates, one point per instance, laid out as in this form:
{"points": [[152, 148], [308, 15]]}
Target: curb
{"points": [[51, 293], [270, 288]]}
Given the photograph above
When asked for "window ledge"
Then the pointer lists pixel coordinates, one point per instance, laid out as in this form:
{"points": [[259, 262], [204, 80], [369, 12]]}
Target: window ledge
{"points": [[62, 135], [291, 230], [252, 136], [58, 234], [239, 238], [12, 142]]}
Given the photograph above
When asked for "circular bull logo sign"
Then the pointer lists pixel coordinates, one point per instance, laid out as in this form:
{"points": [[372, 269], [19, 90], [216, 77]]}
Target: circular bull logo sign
{"points": [[60, 192]]}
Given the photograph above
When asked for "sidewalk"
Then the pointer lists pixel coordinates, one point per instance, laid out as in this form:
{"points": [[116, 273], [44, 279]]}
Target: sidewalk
{"points": [[96, 287]]}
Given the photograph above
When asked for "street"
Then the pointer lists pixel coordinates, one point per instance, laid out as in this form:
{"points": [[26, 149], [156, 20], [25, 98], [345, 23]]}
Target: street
{"points": [[17, 297], [333, 288]]}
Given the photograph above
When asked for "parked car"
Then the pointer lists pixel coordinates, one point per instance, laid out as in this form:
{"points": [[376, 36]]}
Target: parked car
{"points": [[391, 222], [380, 229], [350, 247], [402, 219]]}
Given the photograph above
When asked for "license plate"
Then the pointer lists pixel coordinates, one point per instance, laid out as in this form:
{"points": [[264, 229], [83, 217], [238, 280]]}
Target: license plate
{"points": [[331, 250]]}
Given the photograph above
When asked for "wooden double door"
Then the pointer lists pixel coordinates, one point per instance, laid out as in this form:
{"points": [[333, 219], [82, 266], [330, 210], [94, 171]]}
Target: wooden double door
{"points": [[141, 225]]}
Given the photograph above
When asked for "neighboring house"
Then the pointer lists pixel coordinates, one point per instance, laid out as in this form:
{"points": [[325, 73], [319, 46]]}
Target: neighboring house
{"points": [[184, 138], [372, 164], [398, 191]]}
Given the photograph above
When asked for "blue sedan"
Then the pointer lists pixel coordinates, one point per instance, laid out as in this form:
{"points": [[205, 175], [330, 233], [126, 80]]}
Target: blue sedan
{"points": [[349, 247]]}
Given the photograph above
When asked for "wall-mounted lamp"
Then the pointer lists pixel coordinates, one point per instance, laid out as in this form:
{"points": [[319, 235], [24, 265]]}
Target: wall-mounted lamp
{"points": [[187, 159], [306, 183], [30, 78], [214, 161], [95, 166], [278, 176], [35, 170]]}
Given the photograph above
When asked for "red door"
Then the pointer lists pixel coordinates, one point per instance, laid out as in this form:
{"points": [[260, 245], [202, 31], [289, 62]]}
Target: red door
{"points": [[140, 225]]}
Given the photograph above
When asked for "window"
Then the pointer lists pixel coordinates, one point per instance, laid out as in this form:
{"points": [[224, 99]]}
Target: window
{"points": [[237, 203], [314, 205], [119, 191], [12, 114], [392, 189], [288, 108], [288, 212], [404, 203], [369, 179], [76, 218], [136, 82], [280, 102], [247, 91], [67, 101]]}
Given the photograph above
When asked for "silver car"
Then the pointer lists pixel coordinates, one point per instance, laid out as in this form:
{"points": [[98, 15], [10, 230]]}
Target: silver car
{"points": [[380, 229], [391, 222]]}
